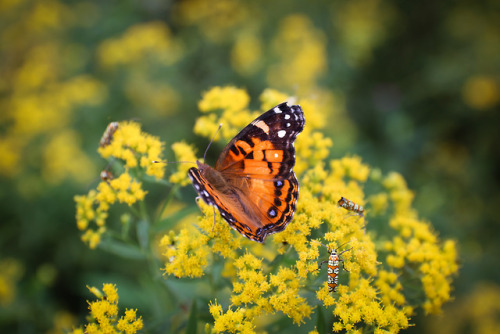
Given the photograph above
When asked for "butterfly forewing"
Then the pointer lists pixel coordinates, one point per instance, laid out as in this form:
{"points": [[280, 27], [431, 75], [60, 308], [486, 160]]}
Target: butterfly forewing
{"points": [[264, 148], [253, 184]]}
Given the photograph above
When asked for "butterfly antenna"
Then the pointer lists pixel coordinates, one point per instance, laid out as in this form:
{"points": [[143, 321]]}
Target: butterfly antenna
{"points": [[216, 132], [172, 162]]}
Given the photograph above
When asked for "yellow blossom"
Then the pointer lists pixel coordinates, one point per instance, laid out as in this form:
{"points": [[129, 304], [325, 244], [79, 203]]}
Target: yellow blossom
{"points": [[149, 39], [136, 148], [12, 271], [243, 61], [186, 158], [301, 55], [104, 314], [187, 253], [481, 92], [215, 22]]}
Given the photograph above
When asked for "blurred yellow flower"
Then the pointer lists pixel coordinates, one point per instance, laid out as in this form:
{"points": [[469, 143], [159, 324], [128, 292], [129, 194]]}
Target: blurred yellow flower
{"points": [[11, 272], [246, 54], [152, 39], [361, 25], [479, 309], [300, 50], [481, 92], [216, 20], [63, 159]]}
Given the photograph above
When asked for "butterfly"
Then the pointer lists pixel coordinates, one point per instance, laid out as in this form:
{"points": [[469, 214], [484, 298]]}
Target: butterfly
{"points": [[252, 184], [351, 206]]}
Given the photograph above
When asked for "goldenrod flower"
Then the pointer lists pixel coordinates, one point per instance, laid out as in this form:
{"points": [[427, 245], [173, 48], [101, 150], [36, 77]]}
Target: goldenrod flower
{"points": [[138, 150], [135, 148], [104, 313], [152, 39], [186, 158]]}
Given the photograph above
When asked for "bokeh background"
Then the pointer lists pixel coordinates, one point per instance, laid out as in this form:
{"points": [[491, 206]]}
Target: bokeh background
{"points": [[410, 86]]}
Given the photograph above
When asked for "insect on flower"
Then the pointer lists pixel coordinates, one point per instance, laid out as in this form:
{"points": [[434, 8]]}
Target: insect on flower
{"points": [[351, 206], [333, 268], [108, 134], [252, 184], [106, 175]]}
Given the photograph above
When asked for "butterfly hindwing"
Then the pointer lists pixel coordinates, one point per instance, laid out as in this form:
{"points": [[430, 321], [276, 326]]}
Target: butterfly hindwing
{"points": [[230, 204], [276, 203]]}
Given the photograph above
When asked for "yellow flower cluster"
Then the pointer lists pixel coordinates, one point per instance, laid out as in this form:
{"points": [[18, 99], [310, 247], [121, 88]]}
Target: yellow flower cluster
{"points": [[233, 102], [243, 61], [479, 310], [39, 94], [152, 39], [216, 20], [104, 313], [416, 246], [138, 150], [231, 321], [300, 50], [186, 252], [481, 92], [47, 111], [184, 154], [370, 294]]}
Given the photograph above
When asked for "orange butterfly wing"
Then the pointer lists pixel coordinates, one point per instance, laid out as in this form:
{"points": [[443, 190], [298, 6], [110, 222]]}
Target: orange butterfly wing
{"points": [[253, 185]]}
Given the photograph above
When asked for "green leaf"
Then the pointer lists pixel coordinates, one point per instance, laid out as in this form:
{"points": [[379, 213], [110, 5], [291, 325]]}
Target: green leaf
{"points": [[122, 249], [171, 220], [143, 233], [192, 323], [320, 322]]}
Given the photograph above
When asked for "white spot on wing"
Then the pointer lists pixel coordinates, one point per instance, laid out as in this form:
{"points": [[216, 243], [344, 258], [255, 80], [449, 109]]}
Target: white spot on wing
{"points": [[281, 133], [287, 116], [277, 110]]}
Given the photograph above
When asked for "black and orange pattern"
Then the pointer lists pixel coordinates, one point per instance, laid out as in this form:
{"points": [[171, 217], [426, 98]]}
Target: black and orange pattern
{"points": [[252, 184]]}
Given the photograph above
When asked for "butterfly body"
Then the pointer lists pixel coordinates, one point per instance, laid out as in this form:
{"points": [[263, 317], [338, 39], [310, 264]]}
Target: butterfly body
{"points": [[252, 184]]}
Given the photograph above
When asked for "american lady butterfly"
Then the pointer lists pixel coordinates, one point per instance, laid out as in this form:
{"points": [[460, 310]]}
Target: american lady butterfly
{"points": [[252, 184]]}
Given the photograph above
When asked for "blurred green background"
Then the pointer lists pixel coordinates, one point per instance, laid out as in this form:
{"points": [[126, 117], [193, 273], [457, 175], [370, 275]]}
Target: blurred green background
{"points": [[410, 86]]}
